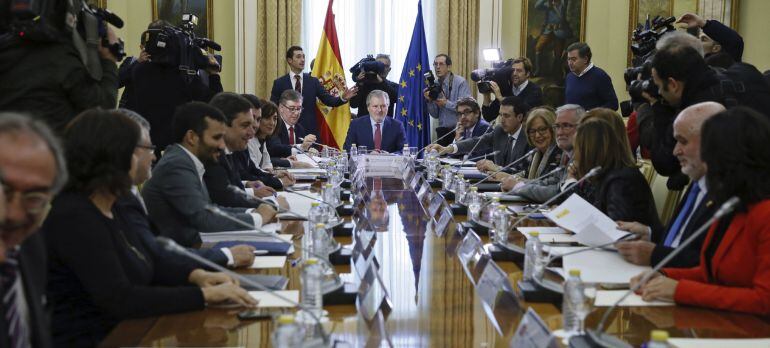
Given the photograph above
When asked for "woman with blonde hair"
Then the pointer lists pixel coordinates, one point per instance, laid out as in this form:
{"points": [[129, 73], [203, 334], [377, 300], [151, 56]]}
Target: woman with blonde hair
{"points": [[540, 135]]}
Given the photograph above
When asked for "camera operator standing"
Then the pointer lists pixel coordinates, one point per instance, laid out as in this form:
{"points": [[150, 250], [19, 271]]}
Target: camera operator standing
{"points": [[517, 85], [382, 83], [443, 106]]}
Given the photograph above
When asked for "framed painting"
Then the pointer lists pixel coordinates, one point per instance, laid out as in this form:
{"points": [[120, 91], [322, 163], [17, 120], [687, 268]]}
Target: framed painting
{"points": [[640, 10], [172, 11], [725, 11], [97, 3], [548, 27]]}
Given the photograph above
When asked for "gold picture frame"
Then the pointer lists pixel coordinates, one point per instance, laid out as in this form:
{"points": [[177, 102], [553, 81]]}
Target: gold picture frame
{"points": [[172, 10], [640, 9], [721, 10]]}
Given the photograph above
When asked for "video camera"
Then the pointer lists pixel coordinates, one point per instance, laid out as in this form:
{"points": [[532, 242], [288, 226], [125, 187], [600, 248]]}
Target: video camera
{"points": [[434, 89], [644, 38], [500, 72], [179, 47], [371, 69]]}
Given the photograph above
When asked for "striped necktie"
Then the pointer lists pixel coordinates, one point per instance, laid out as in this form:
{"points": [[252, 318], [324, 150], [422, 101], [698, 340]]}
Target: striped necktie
{"points": [[10, 284]]}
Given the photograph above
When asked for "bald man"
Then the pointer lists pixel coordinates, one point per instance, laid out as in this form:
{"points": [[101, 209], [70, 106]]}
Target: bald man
{"points": [[694, 210]]}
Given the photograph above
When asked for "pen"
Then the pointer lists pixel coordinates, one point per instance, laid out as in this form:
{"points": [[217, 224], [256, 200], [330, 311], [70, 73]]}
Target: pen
{"points": [[260, 252]]}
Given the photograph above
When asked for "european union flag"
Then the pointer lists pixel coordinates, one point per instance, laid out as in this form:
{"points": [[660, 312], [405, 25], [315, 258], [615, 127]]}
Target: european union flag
{"points": [[411, 107]]}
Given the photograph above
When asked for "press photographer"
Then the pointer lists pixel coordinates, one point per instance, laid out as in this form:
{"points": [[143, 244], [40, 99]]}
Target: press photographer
{"points": [[505, 79], [370, 74], [442, 95], [53, 68], [176, 73]]}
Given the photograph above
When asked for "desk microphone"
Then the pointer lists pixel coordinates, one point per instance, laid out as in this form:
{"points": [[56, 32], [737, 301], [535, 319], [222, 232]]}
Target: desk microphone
{"points": [[597, 337], [172, 246], [442, 137], [484, 156], [254, 199], [524, 156], [539, 178], [491, 127]]}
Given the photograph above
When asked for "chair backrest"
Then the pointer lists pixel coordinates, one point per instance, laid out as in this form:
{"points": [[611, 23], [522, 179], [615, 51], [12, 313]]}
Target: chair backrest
{"points": [[665, 200]]}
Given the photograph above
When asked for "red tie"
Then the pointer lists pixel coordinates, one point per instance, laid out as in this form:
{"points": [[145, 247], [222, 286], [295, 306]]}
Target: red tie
{"points": [[298, 85], [291, 135], [377, 138]]}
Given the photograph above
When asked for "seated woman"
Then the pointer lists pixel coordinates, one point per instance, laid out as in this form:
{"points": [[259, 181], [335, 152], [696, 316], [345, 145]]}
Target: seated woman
{"points": [[101, 269], [734, 272], [540, 135], [619, 190]]}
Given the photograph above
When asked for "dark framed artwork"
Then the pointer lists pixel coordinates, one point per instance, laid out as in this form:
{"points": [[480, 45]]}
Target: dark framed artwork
{"points": [[639, 10], [548, 27], [172, 10]]}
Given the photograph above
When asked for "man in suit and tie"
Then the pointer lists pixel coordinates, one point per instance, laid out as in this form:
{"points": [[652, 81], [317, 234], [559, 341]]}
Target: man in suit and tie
{"points": [[470, 124], [290, 138], [375, 131], [177, 199], [507, 138], [309, 88], [518, 85], [695, 209], [32, 171]]}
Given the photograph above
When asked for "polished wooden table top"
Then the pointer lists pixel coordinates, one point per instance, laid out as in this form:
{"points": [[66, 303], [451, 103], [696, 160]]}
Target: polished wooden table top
{"points": [[434, 303]]}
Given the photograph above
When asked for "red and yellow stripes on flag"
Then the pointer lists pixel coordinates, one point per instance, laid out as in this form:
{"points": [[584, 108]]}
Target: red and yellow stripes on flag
{"points": [[333, 122]]}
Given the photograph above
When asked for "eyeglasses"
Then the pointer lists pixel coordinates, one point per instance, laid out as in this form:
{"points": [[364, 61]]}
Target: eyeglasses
{"points": [[466, 112], [541, 131], [34, 202], [148, 147], [565, 126], [293, 109]]}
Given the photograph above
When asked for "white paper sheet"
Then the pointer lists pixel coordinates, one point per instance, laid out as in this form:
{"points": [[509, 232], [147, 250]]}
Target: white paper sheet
{"points": [[505, 197], [263, 262], [591, 225], [316, 171], [607, 298], [719, 342], [452, 161], [298, 204], [301, 157], [599, 266], [267, 299], [542, 230], [556, 238]]}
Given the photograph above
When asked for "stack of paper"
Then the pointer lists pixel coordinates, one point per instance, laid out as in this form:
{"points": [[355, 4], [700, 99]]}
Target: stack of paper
{"points": [[456, 161], [600, 266], [269, 299], [264, 262], [719, 342], [298, 204], [607, 298], [590, 225]]}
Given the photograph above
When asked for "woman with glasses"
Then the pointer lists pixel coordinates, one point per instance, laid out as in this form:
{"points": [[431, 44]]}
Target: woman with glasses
{"points": [[540, 135], [101, 268]]}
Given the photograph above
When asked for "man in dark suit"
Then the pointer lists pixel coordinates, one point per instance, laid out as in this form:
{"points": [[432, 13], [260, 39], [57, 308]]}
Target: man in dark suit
{"points": [[290, 137], [508, 139], [32, 171], [693, 211], [470, 124], [309, 87], [517, 85], [176, 197], [376, 131]]}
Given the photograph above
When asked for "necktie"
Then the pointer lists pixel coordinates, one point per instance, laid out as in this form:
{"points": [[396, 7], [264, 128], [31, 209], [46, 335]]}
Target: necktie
{"points": [[298, 84], [511, 144], [686, 211], [291, 135], [229, 160], [377, 137], [468, 134], [16, 328]]}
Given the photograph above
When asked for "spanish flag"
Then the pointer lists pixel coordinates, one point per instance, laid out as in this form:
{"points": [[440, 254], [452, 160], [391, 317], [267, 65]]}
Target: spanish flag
{"points": [[332, 122]]}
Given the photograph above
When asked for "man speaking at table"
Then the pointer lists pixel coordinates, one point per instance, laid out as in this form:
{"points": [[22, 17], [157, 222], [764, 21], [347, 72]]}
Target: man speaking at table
{"points": [[375, 131]]}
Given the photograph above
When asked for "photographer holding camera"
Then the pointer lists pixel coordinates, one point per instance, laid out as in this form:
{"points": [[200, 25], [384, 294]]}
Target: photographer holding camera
{"points": [[54, 66], [374, 78], [442, 96], [518, 84]]}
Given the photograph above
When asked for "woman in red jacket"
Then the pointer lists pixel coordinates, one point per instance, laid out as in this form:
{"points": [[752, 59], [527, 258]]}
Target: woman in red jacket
{"points": [[734, 271]]}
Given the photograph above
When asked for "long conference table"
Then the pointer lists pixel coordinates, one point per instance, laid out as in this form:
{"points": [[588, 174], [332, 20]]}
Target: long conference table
{"points": [[433, 301]]}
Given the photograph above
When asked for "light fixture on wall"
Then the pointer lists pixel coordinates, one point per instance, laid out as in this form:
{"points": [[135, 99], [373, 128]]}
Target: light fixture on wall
{"points": [[491, 54]]}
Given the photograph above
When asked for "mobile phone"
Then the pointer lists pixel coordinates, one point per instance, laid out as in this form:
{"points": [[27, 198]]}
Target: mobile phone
{"points": [[254, 314]]}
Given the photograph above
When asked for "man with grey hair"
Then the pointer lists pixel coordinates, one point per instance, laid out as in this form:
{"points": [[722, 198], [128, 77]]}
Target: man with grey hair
{"points": [[376, 131], [567, 118], [33, 171], [692, 212]]}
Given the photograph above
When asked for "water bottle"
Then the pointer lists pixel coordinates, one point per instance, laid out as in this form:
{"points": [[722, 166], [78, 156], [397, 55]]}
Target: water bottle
{"points": [[353, 152], [342, 162], [474, 203], [330, 167], [460, 187], [330, 196], [287, 333], [500, 221], [325, 152], [573, 299], [321, 242], [446, 177], [312, 276], [533, 250], [316, 214], [405, 151], [432, 164], [658, 339]]}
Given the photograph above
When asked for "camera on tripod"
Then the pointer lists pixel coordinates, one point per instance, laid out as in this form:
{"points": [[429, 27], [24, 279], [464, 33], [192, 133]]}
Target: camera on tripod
{"points": [[172, 46], [644, 38], [434, 89], [500, 72], [371, 69]]}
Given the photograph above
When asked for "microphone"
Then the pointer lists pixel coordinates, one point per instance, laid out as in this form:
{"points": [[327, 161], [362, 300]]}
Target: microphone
{"points": [[491, 127], [172, 246], [315, 199], [442, 137], [484, 155], [524, 156], [254, 199], [309, 156], [598, 336], [539, 178]]}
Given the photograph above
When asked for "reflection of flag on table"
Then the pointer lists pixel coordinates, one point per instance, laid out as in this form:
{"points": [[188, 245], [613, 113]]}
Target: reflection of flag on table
{"points": [[332, 122], [411, 107]]}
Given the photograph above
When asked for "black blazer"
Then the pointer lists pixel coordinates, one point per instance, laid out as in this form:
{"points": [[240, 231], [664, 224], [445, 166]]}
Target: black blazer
{"points": [[690, 256], [102, 271], [532, 95], [311, 89], [278, 143], [249, 171], [623, 194], [219, 178], [34, 273]]}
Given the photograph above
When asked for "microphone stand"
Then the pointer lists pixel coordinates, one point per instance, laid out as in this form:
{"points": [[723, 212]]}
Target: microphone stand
{"points": [[250, 198], [506, 167], [491, 127], [442, 137], [334, 209], [484, 156]]}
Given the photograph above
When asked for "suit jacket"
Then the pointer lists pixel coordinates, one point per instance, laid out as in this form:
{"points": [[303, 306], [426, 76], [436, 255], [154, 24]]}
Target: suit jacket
{"points": [[482, 127], [176, 200], [311, 89], [248, 170], [690, 256], [623, 194], [546, 165], [497, 140], [532, 95], [278, 144], [360, 133], [34, 272], [740, 268], [221, 179]]}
